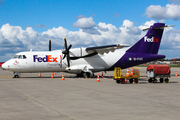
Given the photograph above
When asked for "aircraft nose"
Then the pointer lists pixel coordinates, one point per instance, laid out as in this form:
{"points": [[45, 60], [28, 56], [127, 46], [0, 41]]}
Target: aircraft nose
{"points": [[5, 66]]}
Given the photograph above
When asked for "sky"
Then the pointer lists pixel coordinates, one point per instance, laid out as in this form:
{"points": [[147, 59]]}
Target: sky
{"points": [[29, 24]]}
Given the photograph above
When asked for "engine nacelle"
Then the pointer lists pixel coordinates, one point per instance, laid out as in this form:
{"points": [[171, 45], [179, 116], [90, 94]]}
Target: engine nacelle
{"points": [[79, 52]]}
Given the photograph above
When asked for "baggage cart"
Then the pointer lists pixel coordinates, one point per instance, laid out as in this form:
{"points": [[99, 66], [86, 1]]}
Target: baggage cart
{"points": [[120, 78], [158, 71]]}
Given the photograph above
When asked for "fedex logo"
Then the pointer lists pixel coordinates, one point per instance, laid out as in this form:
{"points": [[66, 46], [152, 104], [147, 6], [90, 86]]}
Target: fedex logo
{"points": [[47, 58], [153, 39]]}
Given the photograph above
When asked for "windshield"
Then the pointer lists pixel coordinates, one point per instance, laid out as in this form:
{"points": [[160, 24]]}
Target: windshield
{"points": [[19, 57], [16, 56]]}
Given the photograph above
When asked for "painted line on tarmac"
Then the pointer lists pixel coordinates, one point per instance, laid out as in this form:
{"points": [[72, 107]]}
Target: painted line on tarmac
{"points": [[6, 77]]}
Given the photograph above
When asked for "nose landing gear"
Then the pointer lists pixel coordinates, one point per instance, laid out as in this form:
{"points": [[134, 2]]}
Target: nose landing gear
{"points": [[17, 75]]}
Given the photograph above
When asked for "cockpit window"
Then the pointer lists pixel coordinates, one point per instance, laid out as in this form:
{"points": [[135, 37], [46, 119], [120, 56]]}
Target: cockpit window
{"points": [[24, 57], [19, 57], [16, 56]]}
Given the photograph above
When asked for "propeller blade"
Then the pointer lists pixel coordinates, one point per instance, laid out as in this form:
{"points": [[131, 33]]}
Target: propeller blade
{"points": [[65, 43], [68, 61], [66, 52], [64, 56], [69, 47], [49, 44]]}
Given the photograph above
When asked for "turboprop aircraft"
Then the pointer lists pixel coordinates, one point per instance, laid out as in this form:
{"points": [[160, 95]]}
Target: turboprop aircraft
{"points": [[86, 61]]}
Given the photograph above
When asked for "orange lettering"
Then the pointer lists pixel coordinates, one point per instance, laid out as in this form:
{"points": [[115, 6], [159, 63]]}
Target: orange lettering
{"points": [[49, 58]]}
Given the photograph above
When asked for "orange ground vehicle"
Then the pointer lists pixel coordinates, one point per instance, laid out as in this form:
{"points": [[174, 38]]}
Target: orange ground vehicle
{"points": [[158, 71]]}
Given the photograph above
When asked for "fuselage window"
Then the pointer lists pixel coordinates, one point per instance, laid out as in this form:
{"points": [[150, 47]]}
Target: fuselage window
{"points": [[24, 57]]}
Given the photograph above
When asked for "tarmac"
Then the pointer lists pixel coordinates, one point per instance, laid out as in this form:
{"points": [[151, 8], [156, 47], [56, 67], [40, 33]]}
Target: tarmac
{"points": [[43, 98]]}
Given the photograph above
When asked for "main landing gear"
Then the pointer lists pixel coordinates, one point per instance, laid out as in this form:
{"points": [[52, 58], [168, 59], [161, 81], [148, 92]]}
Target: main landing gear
{"points": [[85, 74]]}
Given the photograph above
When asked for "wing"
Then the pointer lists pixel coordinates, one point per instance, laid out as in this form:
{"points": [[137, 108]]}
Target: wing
{"points": [[105, 49]]}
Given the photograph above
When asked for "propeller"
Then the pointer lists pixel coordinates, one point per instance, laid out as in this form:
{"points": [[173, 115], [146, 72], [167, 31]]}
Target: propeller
{"points": [[49, 44], [66, 52]]}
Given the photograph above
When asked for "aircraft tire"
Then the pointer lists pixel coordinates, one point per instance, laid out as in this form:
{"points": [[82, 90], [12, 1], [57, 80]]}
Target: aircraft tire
{"points": [[118, 81], [80, 75], [85, 75], [136, 80], [131, 81], [154, 80], [123, 81], [150, 80], [16, 76], [166, 80], [161, 80]]}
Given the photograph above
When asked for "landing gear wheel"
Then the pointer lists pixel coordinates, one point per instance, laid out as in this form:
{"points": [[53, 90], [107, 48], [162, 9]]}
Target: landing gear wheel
{"points": [[85, 74], [154, 81], [150, 80], [16, 76], [131, 81], [167, 80], [136, 81], [80, 75], [161, 80], [123, 81], [118, 81]]}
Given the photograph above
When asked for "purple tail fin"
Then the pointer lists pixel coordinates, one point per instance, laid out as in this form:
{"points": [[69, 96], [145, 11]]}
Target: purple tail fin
{"points": [[151, 41]]}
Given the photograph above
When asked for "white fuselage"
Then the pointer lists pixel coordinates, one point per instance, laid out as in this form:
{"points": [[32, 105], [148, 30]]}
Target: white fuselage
{"points": [[51, 61]]}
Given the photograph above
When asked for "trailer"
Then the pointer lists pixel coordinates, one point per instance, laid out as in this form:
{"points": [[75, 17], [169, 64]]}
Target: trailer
{"points": [[120, 78], [158, 71]]}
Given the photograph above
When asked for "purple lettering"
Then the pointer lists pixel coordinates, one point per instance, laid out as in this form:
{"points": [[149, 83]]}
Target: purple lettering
{"points": [[35, 57], [39, 59], [47, 58]]}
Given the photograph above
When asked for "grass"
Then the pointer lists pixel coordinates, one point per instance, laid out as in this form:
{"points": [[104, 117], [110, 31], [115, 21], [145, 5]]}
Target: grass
{"points": [[171, 65]]}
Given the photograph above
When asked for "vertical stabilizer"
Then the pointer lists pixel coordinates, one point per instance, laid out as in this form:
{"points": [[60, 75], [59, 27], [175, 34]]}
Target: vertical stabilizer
{"points": [[151, 41]]}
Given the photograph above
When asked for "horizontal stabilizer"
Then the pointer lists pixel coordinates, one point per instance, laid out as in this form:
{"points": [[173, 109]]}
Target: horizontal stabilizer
{"points": [[159, 27]]}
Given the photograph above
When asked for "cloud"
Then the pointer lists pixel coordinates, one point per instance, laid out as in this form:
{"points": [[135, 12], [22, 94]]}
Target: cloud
{"points": [[80, 16], [1, 2], [84, 23], [93, 15], [38, 26], [175, 1], [147, 24], [171, 11], [116, 15], [87, 25], [131, 29], [92, 31], [14, 39]]}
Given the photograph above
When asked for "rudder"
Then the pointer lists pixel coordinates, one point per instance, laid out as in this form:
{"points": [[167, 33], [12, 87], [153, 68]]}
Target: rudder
{"points": [[151, 41]]}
